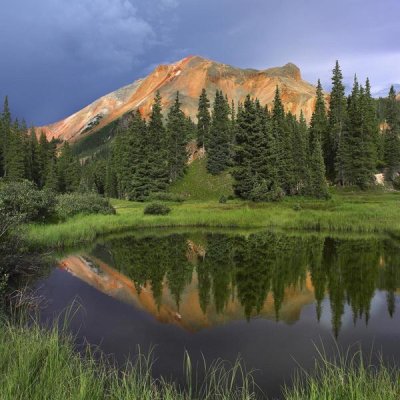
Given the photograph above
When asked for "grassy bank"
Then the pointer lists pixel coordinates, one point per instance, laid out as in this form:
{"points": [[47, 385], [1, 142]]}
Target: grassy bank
{"points": [[346, 378], [376, 212], [38, 364]]}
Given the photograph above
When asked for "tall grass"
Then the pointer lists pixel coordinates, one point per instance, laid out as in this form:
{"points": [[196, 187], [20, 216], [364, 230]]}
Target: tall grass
{"points": [[377, 213], [39, 364], [42, 364], [346, 377]]}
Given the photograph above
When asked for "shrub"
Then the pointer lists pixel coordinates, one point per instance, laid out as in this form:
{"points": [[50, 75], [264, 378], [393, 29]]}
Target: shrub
{"points": [[25, 200], [72, 204], [297, 207], [165, 196], [396, 183], [223, 199], [264, 192], [157, 209]]}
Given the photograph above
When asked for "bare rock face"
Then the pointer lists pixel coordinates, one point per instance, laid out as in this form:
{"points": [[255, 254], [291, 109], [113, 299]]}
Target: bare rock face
{"points": [[189, 76]]}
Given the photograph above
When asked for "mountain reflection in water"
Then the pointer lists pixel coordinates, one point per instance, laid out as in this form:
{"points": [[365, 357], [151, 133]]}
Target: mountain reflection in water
{"points": [[199, 281]]}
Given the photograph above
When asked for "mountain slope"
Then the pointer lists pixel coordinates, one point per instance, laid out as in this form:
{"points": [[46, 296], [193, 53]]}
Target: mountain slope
{"points": [[188, 76]]}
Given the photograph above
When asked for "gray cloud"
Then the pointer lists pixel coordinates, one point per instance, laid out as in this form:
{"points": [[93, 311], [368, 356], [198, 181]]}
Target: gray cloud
{"points": [[57, 56]]}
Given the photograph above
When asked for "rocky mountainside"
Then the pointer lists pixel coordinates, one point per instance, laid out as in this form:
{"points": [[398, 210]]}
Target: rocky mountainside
{"points": [[188, 76]]}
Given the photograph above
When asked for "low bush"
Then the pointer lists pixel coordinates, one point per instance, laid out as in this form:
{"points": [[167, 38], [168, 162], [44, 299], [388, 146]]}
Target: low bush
{"points": [[157, 209], [396, 183], [71, 204], [223, 199], [297, 207], [25, 200]]}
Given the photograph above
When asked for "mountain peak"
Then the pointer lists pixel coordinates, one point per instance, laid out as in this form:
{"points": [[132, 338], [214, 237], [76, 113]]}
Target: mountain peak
{"points": [[189, 76]]}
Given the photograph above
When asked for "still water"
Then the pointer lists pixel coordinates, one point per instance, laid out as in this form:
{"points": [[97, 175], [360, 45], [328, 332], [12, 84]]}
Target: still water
{"points": [[266, 296]]}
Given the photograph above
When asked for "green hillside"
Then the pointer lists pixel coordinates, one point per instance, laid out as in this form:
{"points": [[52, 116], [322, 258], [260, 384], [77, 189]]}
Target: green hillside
{"points": [[198, 184]]}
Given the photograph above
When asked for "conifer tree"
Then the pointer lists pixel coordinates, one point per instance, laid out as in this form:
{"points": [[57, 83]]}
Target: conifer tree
{"points": [[176, 140], [140, 185], [68, 170], [110, 181], [15, 153], [51, 179], [357, 151], [219, 148], [247, 128], [392, 141], [31, 157], [283, 157], [157, 149], [337, 118], [317, 184], [203, 120], [371, 124], [43, 158], [5, 132], [300, 153]]}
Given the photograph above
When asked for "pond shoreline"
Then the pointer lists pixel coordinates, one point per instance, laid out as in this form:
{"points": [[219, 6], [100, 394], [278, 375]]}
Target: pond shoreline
{"points": [[344, 213]]}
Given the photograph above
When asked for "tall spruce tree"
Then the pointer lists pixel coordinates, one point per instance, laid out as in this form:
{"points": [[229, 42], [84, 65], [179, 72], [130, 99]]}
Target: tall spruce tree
{"points": [[203, 120], [369, 138], [15, 153], [219, 148], [32, 148], [5, 133], [248, 128], [157, 160], [139, 185], [110, 188], [300, 154], [68, 170], [357, 149], [337, 118], [176, 140], [317, 184], [44, 156], [392, 133], [283, 157]]}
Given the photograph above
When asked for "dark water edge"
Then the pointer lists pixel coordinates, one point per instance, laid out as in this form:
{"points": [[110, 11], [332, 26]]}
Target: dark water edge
{"points": [[266, 296]]}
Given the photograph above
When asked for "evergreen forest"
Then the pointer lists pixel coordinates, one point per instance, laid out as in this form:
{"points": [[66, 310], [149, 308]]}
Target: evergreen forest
{"points": [[269, 152]]}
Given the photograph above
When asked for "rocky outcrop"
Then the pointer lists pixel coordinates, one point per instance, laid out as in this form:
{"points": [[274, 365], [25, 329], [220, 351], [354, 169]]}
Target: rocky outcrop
{"points": [[189, 76]]}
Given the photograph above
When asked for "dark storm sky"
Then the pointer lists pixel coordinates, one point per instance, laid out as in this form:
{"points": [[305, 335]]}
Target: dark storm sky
{"points": [[57, 56]]}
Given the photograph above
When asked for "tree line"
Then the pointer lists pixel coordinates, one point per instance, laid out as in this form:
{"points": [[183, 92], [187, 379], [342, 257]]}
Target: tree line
{"points": [[270, 153], [25, 157]]}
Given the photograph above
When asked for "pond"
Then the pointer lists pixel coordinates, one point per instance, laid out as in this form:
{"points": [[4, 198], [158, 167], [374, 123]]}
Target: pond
{"points": [[270, 297]]}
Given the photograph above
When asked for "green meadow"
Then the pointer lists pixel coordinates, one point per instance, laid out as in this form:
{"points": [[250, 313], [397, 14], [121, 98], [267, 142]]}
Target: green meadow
{"points": [[345, 212]]}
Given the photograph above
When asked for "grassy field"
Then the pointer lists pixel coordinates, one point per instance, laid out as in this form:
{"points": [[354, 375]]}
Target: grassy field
{"points": [[198, 184], [345, 212]]}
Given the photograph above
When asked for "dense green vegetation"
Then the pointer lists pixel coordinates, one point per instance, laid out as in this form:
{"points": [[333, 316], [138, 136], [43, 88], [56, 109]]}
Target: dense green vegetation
{"points": [[345, 212], [269, 152]]}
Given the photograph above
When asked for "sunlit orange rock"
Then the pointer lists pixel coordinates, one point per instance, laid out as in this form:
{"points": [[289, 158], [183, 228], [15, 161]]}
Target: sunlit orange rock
{"points": [[189, 76]]}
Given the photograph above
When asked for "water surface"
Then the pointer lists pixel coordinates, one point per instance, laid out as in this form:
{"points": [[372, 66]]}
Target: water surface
{"points": [[266, 296]]}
